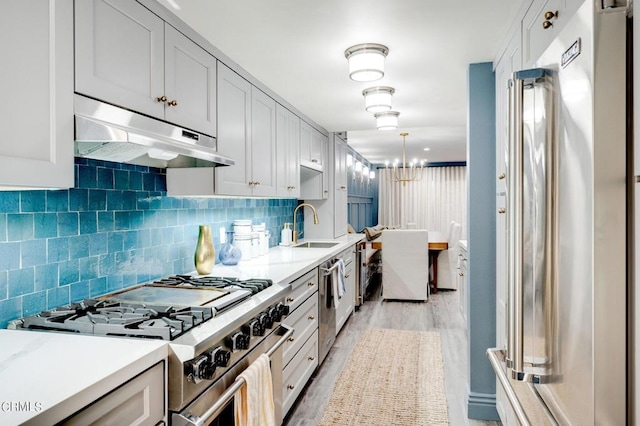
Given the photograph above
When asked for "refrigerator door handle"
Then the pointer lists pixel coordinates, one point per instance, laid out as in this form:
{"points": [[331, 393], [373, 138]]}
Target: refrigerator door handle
{"points": [[515, 354], [494, 355]]}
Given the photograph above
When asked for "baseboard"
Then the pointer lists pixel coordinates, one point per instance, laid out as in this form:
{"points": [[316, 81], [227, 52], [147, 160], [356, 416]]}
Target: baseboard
{"points": [[482, 406]]}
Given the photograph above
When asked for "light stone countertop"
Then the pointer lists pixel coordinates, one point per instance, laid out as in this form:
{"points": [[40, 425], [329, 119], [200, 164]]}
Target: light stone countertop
{"points": [[283, 264], [46, 376]]}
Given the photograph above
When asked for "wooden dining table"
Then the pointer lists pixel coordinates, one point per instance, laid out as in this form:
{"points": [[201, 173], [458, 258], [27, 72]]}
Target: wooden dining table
{"points": [[437, 243]]}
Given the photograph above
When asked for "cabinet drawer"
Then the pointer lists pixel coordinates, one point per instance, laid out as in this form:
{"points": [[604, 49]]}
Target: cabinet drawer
{"points": [[139, 401], [302, 288], [298, 372], [347, 256], [304, 321]]}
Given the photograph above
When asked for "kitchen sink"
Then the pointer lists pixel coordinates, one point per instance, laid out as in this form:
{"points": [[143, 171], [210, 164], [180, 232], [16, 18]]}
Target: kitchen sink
{"points": [[316, 244]]}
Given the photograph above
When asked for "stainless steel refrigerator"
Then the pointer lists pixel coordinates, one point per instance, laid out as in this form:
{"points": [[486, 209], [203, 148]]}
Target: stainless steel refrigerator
{"points": [[566, 354]]}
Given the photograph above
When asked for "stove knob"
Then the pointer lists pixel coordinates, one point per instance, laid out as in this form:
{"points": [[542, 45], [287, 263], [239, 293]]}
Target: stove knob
{"points": [[239, 340], [254, 328], [220, 357], [282, 309], [208, 370], [266, 320], [274, 314], [199, 369]]}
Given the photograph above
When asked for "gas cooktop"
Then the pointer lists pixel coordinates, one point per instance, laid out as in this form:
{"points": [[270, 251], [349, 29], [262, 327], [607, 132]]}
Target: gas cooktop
{"points": [[104, 317], [162, 309]]}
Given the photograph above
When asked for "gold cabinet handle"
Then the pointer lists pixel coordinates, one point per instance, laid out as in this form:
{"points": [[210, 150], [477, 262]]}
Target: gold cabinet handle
{"points": [[290, 387], [311, 358], [346, 275], [547, 24], [290, 299], [460, 273], [314, 160], [502, 176], [256, 183], [162, 98], [502, 210], [291, 339], [550, 15], [311, 284], [311, 317], [173, 103]]}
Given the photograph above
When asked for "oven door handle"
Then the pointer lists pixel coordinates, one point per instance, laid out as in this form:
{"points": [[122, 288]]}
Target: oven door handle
{"points": [[228, 394]]}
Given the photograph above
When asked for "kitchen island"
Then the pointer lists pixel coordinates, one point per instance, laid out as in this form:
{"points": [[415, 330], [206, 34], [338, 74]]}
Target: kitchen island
{"points": [[47, 377]]}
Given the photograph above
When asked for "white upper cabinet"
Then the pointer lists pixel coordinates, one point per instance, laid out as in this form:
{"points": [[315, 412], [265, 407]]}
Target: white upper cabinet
{"points": [[234, 132], [128, 56], [246, 133], [36, 112], [263, 143], [190, 83], [120, 54], [340, 188], [318, 148], [312, 147], [287, 153], [541, 24], [323, 142]]}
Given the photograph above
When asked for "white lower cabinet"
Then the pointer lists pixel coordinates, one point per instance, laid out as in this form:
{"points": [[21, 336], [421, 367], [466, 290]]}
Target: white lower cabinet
{"points": [[301, 288], [462, 280], [300, 352], [304, 321], [298, 372], [140, 401], [347, 301]]}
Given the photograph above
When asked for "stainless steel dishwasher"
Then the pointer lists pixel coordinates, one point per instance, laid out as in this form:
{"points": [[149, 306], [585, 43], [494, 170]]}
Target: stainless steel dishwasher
{"points": [[327, 308]]}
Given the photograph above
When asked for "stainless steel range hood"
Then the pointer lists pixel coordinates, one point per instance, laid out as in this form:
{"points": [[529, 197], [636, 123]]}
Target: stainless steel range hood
{"points": [[106, 132]]}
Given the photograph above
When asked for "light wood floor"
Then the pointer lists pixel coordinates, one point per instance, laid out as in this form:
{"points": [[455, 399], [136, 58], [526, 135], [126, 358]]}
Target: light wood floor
{"points": [[440, 314]]}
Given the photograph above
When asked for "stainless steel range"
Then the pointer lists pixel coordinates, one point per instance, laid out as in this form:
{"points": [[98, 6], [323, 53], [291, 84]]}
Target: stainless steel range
{"points": [[216, 327]]}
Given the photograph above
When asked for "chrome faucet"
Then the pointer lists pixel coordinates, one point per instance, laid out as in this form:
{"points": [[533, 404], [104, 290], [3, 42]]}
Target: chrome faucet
{"points": [[315, 220]]}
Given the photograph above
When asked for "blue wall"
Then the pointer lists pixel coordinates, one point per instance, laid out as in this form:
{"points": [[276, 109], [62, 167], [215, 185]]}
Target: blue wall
{"points": [[114, 229], [362, 197], [481, 230]]}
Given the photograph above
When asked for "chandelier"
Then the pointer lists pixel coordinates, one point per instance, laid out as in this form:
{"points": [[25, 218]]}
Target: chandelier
{"points": [[405, 173]]}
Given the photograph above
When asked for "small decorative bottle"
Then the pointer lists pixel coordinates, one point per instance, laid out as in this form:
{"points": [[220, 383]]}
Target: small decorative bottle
{"points": [[229, 255], [205, 255]]}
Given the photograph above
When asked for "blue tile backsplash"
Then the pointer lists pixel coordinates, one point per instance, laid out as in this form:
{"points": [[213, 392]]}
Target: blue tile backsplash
{"points": [[116, 228]]}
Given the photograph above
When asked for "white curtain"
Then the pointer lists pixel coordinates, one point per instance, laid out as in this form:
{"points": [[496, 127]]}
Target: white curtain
{"points": [[432, 202]]}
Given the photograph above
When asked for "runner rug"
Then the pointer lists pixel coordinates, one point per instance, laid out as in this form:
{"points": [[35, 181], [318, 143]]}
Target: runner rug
{"points": [[393, 377]]}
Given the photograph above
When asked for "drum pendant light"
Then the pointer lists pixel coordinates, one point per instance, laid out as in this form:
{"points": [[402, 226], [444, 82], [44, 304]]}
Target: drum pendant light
{"points": [[366, 61], [387, 120], [378, 99]]}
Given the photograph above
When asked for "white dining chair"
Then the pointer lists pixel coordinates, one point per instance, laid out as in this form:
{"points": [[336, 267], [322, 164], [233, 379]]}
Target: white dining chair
{"points": [[405, 264], [449, 229]]}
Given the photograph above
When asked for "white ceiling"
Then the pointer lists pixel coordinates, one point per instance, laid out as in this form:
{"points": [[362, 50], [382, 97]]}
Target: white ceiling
{"points": [[296, 48]]}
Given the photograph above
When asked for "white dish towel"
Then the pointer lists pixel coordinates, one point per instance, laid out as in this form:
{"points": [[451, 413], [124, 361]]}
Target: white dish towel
{"points": [[254, 401], [342, 289]]}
